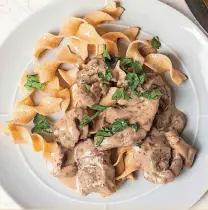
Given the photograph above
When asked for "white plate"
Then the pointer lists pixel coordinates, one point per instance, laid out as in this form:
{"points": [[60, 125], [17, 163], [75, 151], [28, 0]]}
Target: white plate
{"points": [[23, 172]]}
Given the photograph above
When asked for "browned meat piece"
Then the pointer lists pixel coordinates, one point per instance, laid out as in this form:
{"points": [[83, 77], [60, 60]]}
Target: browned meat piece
{"points": [[168, 117], [95, 171], [166, 176], [123, 138], [67, 131], [186, 151], [82, 97], [89, 74], [62, 166], [157, 160], [141, 111]]}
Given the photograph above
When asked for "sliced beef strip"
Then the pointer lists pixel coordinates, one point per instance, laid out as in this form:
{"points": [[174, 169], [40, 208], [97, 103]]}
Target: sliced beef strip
{"points": [[159, 163], [168, 116], [186, 151], [95, 171], [140, 111], [166, 176], [67, 130]]}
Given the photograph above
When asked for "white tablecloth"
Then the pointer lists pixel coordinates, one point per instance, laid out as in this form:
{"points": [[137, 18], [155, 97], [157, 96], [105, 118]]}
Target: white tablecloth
{"points": [[12, 12]]}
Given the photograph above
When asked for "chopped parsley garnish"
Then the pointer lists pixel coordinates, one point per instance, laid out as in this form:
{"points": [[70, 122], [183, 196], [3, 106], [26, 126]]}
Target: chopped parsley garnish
{"points": [[126, 63], [153, 94], [137, 67], [98, 107], [41, 124], [105, 77], [156, 42], [134, 80], [109, 59], [139, 145], [120, 93], [134, 126], [117, 126], [87, 119], [99, 140], [87, 86], [105, 52], [33, 82]]}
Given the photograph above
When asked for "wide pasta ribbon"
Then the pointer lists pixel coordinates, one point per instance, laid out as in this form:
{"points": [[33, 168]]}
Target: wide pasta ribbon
{"points": [[161, 63]]}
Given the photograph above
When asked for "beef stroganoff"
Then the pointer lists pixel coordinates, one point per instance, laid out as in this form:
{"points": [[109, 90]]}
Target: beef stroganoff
{"points": [[118, 114]]}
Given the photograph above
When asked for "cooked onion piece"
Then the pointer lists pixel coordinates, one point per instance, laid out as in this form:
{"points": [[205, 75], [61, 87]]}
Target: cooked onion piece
{"points": [[107, 100], [131, 32], [88, 33], [130, 165], [65, 95], [46, 42], [70, 26], [113, 10], [119, 75], [66, 56], [78, 47], [20, 135], [46, 71], [24, 111], [114, 36], [52, 86], [49, 105], [69, 76], [133, 51], [26, 92], [161, 63], [96, 17], [39, 144]]}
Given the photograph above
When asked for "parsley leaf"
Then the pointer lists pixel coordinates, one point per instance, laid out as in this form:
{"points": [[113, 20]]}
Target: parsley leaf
{"points": [[126, 63], [41, 124], [109, 60], [99, 140], [154, 94], [33, 82], [108, 75], [105, 77], [117, 126], [101, 76], [134, 126], [105, 52], [137, 67], [120, 93], [156, 42], [138, 145], [98, 107], [87, 86], [105, 132], [86, 119], [134, 80]]}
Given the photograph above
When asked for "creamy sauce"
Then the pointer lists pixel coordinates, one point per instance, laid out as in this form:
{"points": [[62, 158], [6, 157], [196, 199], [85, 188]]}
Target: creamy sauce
{"points": [[69, 182]]}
